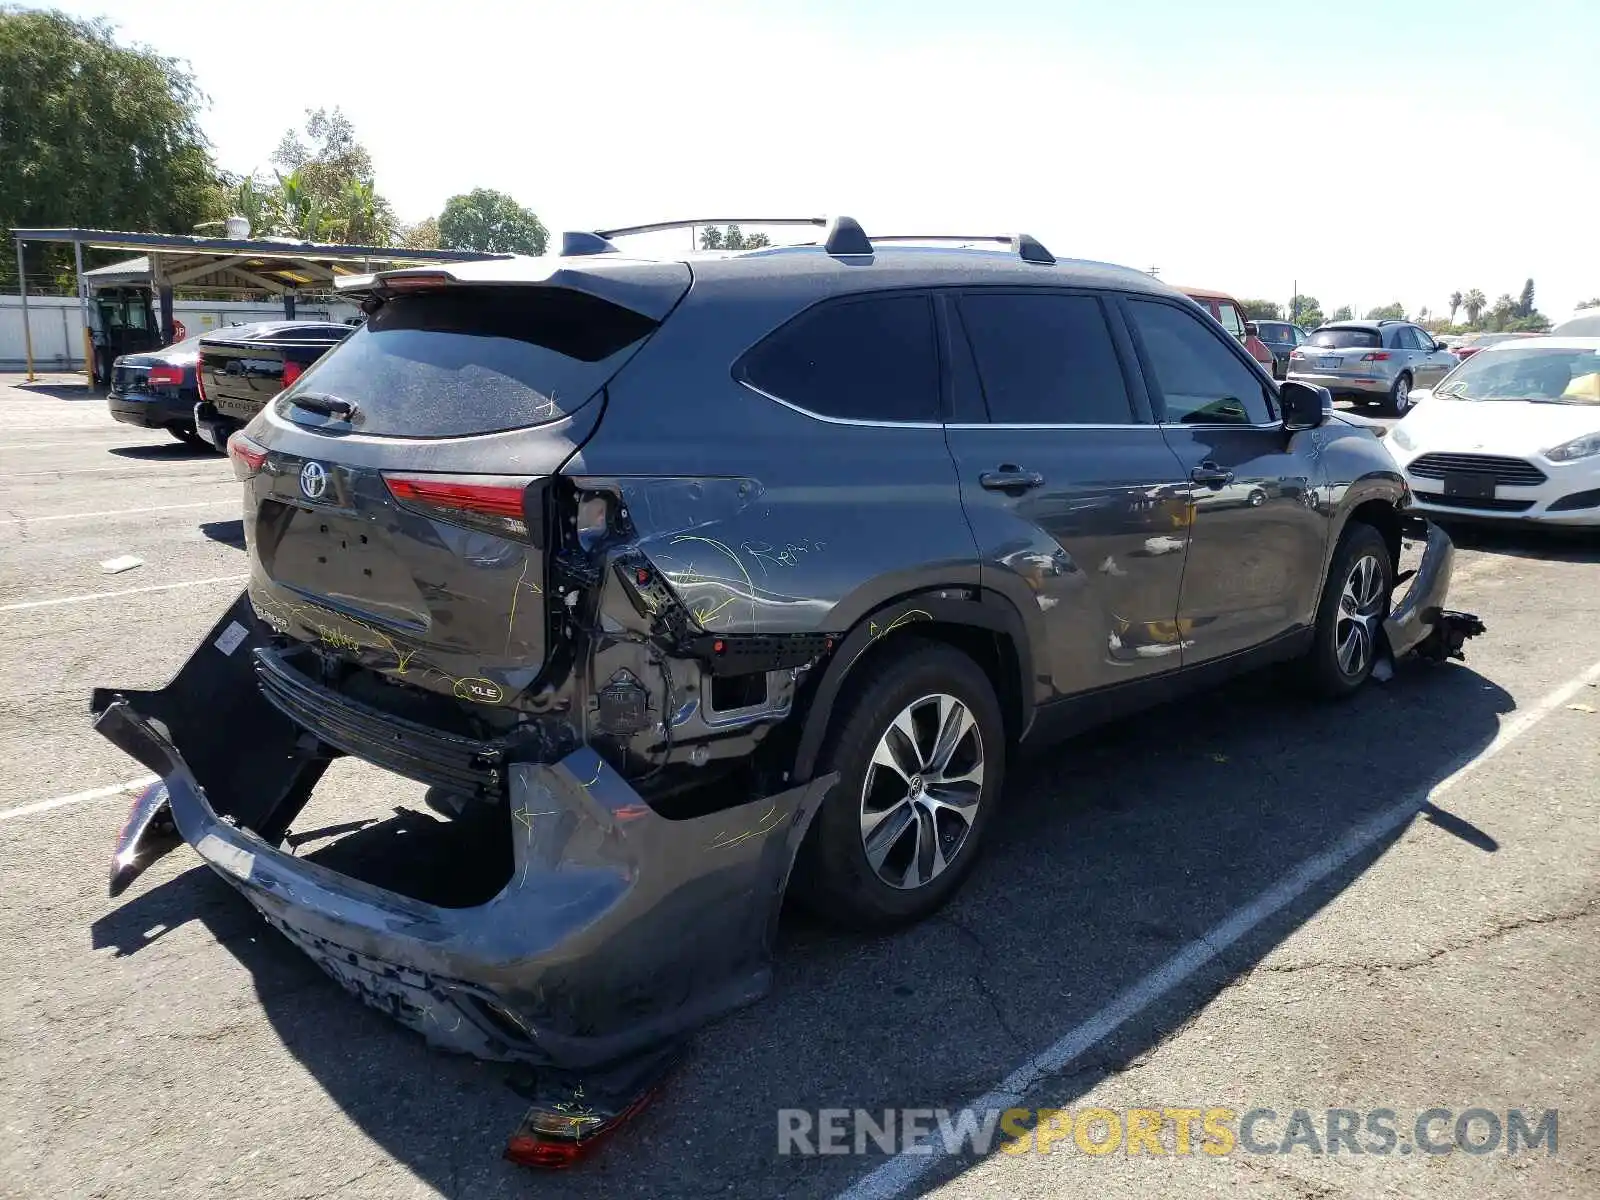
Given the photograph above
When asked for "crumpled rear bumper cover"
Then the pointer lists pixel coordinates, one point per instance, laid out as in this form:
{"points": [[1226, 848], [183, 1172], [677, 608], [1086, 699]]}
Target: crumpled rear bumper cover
{"points": [[1418, 620], [619, 931]]}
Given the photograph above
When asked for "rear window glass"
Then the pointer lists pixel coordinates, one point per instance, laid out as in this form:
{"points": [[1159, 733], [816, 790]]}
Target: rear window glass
{"points": [[1335, 339], [472, 360], [1046, 359], [871, 359]]}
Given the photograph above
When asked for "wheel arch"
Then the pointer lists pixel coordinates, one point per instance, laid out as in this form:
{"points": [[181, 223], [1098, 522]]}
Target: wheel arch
{"points": [[983, 625]]}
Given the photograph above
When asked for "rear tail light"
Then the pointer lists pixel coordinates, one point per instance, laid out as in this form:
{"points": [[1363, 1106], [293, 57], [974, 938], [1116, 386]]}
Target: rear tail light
{"points": [[1381, 356], [200, 378], [492, 503], [247, 456], [169, 376], [291, 372]]}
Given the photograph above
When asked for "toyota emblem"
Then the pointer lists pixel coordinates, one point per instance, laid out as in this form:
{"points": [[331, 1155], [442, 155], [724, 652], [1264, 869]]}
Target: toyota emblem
{"points": [[314, 480]]}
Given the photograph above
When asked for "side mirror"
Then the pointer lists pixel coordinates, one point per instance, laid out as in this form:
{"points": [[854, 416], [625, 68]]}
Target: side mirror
{"points": [[1304, 406], [1250, 328]]}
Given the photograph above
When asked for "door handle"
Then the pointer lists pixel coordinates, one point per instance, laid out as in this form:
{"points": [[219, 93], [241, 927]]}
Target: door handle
{"points": [[1211, 475], [1011, 479]]}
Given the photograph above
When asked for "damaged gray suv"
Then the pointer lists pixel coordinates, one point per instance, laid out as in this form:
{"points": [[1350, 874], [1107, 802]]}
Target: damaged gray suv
{"points": [[682, 578]]}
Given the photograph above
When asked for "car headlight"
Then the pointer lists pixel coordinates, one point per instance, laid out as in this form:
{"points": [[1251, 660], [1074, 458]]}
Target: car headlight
{"points": [[1584, 447], [1399, 436]]}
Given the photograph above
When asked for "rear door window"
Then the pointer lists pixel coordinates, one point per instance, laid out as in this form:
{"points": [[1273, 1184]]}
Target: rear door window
{"points": [[1045, 359], [472, 360], [1342, 339], [1200, 379], [871, 358]]}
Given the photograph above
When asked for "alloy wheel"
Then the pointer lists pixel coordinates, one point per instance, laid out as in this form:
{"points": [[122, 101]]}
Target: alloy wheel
{"points": [[1360, 606], [1402, 395], [921, 792]]}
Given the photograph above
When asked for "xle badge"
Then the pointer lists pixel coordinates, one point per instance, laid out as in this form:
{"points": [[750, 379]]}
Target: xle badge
{"points": [[484, 691], [313, 480]]}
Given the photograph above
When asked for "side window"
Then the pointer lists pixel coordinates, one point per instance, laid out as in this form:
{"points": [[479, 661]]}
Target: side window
{"points": [[1201, 380], [867, 359], [1045, 359], [1230, 318]]}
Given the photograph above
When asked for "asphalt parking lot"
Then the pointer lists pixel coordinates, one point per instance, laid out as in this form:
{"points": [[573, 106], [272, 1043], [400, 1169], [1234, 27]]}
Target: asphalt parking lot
{"points": [[1247, 901]]}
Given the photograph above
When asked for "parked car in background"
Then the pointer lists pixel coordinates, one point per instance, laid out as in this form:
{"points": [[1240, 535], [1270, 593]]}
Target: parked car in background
{"points": [[1229, 313], [1280, 338], [157, 389], [1471, 343], [1372, 361], [242, 368], [1583, 323], [1513, 433]]}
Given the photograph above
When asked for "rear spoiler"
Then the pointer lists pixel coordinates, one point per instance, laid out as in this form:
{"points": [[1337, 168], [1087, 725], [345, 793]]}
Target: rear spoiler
{"points": [[646, 287]]}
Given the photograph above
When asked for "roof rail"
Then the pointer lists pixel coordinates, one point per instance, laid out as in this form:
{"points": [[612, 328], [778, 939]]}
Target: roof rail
{"points": [[1026, 245]]}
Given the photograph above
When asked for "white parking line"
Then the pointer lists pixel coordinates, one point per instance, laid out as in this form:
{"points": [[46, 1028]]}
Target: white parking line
{"points": [[154, 587], [40, 806], [87, 444], [901, 1172], [119, 512]]}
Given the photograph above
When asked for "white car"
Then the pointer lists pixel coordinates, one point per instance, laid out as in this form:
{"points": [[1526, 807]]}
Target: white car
{"points": [[1513, 433]]}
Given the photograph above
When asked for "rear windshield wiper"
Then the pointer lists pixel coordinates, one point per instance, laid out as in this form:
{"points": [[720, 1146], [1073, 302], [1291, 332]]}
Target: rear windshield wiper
{"points": [[326, 403]]}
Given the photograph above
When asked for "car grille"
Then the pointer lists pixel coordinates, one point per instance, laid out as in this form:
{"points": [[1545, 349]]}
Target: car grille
{"points": [[130, 379], [1507, 472], [407, 748], [1482, 504]]}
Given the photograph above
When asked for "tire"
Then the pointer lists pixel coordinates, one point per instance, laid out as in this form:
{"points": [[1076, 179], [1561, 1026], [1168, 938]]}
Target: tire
{"points": [[1399, 402], [1335, 667], [910, 689]]}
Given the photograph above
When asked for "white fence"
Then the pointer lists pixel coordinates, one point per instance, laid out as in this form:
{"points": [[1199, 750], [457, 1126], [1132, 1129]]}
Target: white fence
{"points": [[58, 328]]}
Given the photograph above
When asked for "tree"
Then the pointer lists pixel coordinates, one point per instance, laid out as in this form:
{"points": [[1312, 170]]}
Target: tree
{"points": [[1524, 304], [328, 192], [424, 235], [1342, 313], [715, 238], [1583, 304], [93, 134], [1474, 302], [1306, 312], [1455, 303], [1505, 308], [1387, 312], [491, 221], [1262, 310]]}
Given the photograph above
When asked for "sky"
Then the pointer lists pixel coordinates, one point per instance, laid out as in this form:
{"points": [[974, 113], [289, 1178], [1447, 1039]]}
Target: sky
{"points": [[1368, 151]]}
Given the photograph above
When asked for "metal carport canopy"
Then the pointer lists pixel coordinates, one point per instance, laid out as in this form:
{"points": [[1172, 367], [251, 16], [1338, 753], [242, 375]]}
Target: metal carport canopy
{"points": [[277, 265]]}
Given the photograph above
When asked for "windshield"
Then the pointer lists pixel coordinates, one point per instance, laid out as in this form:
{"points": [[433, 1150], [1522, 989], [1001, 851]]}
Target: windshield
{"points": [[1341, 338], [1545, 374]]}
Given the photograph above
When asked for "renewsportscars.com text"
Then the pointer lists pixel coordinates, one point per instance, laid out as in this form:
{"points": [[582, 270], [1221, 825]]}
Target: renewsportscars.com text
{"points": [[1175, 1130]]}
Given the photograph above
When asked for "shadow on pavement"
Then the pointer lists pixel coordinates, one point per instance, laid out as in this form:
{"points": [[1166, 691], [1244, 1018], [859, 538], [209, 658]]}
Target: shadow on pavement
{"points": [[60, 391], [164, 451], [1110, 855], [229, 533]]}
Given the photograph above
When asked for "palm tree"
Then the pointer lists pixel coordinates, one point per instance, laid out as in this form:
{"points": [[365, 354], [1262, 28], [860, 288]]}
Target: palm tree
{"points": [[1474, 302], [1455, 303]]}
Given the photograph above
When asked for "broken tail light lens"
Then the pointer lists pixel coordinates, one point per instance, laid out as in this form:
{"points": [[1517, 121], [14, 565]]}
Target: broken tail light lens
{"points": [[247, 456], [166, 376], [291, 372], [554, 1137], [491, 503]]}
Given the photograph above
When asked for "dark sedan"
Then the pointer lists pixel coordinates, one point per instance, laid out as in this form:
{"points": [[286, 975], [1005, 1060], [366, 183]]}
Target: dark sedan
{"points": [[1280, 337], [157, 389]]}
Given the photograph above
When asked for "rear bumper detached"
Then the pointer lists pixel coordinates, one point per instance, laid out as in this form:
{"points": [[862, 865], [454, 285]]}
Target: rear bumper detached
{"points": [[618, 932]]}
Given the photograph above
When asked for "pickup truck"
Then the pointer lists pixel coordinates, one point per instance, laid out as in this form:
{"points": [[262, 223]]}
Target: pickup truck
{"points": [[240, 371]]}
